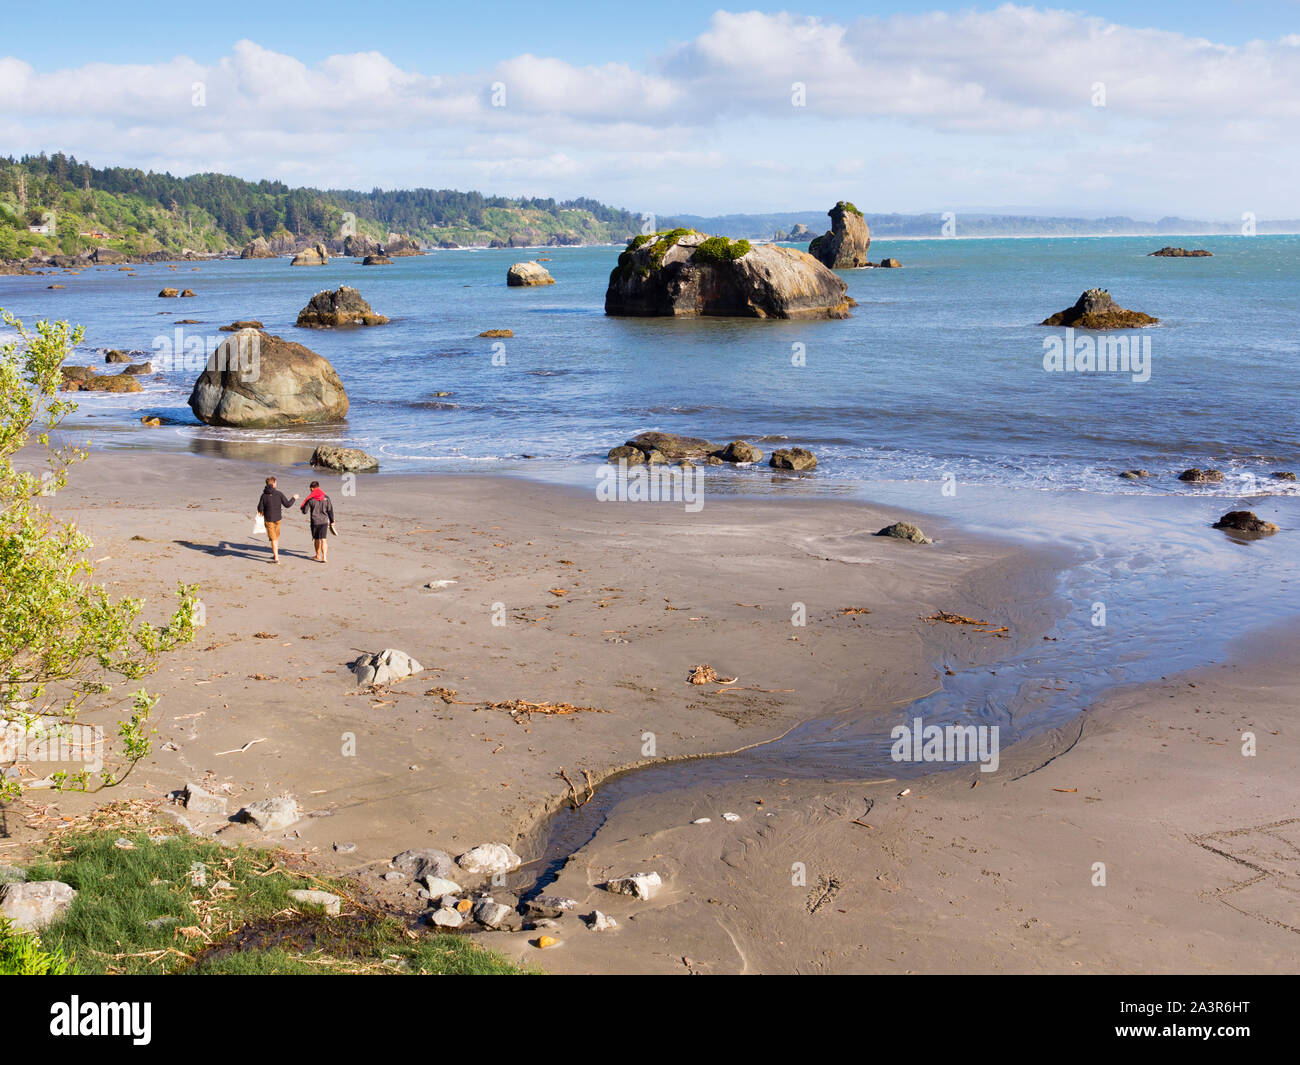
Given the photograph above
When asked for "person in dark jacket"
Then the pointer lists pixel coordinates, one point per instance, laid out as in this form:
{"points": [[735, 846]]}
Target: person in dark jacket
{"points": [[320, 515], [271, 507]]}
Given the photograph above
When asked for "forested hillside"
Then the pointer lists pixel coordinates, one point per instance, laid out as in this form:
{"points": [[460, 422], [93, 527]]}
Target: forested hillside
{"points": [[73, 206]]}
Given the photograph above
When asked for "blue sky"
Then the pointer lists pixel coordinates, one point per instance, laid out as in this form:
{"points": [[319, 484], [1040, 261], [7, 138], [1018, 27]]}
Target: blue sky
{"points": [[1139, 108], [463, 36]]}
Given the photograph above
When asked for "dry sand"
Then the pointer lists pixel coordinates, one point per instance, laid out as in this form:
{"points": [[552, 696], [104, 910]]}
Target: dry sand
{"points": [[995, 878]]}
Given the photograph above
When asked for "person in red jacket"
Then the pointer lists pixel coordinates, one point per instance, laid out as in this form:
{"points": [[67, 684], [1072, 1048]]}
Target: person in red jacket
{"points": [[320, 515]]}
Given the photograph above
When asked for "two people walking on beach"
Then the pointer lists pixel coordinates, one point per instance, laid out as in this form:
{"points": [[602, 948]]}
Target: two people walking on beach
{"points": [[317, 506]]}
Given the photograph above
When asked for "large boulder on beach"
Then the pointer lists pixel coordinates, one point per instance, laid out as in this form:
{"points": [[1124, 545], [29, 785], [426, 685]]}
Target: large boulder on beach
{"points": [[844, 246], [257, 248], [685, 274], [316, 255], [343, 306], [1095, 309], [527, 274], [257, 381], [384, 667]]}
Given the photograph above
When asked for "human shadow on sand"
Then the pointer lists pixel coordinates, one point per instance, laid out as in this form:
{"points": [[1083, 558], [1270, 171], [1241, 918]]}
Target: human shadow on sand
{"points": [[255, 552]]}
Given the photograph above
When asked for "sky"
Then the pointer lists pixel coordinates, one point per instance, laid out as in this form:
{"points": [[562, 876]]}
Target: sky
{"points": [[1138, 108]]}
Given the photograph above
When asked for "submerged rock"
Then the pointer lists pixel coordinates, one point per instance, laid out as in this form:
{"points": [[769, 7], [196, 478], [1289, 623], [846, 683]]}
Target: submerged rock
{"points": [[1282, 475], [903, 530], [1196, 475], [1134, 475], [1246, 521], [1181, 253], [169, 293], [844, 246], [341, 307], [683, 273], [120, 382], [254, 381], [526, 274], [1095, 309]]}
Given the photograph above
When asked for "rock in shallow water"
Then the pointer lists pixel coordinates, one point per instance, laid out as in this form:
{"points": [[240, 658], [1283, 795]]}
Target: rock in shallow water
{"points": [[527, 274], [257, 381], [1095, 309], [792, 458], [1198, 476], [1246, 521], [344, 459]]}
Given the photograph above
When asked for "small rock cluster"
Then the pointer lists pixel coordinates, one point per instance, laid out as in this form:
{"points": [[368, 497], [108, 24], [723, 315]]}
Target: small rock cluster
{"points": [[655, 448]]}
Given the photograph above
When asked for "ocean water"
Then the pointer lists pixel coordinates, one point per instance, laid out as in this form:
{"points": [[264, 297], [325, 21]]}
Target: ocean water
{"points": [[939, 371]]}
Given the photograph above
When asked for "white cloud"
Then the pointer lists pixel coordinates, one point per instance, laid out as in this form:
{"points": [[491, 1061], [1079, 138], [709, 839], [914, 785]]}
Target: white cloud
{"points": [[951, 98]]}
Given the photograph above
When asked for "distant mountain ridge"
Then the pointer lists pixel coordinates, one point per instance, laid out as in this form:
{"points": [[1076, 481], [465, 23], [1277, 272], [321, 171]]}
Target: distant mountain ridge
{"points": [[766, 226]]}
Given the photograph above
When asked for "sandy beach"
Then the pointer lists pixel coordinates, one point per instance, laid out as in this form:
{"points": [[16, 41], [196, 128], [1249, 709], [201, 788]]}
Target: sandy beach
{"points": [[607, 606]]}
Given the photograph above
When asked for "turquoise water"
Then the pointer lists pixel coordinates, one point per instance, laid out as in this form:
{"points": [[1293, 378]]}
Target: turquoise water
{"points": [[939, 371]]}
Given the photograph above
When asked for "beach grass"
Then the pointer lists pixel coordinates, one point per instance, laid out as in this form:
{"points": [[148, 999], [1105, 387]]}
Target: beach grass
{"points": [[153, 903]]}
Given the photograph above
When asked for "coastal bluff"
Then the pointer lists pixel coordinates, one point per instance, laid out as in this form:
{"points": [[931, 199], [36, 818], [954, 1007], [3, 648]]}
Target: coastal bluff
{"points": [[684, 273]]}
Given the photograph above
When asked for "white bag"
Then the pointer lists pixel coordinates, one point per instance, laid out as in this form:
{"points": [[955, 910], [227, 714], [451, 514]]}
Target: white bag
{"points": [[259, 523]]}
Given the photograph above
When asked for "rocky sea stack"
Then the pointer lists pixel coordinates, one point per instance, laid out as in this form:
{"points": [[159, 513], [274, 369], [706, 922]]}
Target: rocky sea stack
{"points": [[316, 255], [527, 274], [343, 306], [1096, 310], [683, 273], [844, 246], [257, 381], [257, 248]]}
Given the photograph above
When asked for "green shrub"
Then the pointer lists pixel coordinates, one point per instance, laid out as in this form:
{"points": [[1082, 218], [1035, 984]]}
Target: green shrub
{"points": [[721, 250], [21, 954]]}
